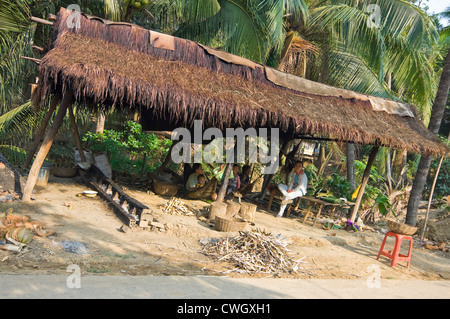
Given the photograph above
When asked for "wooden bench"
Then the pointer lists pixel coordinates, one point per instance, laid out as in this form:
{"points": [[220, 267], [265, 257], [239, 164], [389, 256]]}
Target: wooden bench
{"points": [[313, 201], [274, 191]]}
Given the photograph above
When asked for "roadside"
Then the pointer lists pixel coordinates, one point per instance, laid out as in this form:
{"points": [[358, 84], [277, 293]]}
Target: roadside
{"points": [[175, 250], [207, 287]]}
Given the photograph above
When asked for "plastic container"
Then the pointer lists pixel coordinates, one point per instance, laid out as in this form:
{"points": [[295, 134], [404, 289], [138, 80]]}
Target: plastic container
{"points": [[43, 175]]}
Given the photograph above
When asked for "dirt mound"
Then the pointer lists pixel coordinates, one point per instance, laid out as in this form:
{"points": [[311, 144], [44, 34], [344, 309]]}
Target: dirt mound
{"points": [[438, 230]]}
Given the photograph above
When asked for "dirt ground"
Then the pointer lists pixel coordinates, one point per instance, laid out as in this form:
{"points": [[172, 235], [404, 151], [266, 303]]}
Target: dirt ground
{"points": [[327, 254]]}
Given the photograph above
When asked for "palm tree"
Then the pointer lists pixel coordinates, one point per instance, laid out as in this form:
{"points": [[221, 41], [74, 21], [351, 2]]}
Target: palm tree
{"points": [[434, 125], [249, 28]]}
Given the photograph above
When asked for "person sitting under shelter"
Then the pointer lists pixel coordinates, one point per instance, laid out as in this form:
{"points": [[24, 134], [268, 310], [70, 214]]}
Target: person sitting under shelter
{"points": [[297, 186], [234, 182], [198, 191], [246, 187]]}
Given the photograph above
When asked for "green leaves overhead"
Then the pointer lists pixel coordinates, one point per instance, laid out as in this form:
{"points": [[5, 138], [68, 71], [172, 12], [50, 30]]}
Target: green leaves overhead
{"points": [[393, 40], [14, 15], [249, 28]]}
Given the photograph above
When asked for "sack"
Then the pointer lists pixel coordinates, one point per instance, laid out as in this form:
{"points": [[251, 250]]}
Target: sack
{"points": [[102, 163], [87, 155]]}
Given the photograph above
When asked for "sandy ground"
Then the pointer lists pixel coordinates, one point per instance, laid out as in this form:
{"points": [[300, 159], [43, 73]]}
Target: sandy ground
{"points": [[327, 254]]}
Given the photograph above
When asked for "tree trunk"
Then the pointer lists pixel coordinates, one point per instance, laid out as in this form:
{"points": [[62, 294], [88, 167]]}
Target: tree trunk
{"points": [[435, 122], [46, 145], [41, 132]]}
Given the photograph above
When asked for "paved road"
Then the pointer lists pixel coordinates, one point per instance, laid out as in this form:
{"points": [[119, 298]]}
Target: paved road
{"points": [[204, 287]]}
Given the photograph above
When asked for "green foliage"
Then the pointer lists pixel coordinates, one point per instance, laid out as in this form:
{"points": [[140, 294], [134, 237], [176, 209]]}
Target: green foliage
{"points": [[374, 196], [315, 182], [339, 186], [61, 155], [15, 155], [130, 150]]}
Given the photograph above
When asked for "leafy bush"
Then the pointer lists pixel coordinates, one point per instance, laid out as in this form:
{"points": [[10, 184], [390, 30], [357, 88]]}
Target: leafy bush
{"points": [[339, 186], [130, 150]]}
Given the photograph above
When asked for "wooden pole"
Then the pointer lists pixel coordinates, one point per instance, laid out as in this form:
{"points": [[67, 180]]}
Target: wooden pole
{"points": [[77, 135], [46, 145], [39, 20], [38, 61], [431, 193], [269, 178], [364, 181], [41, 131], [168, 157], [223, 187]]}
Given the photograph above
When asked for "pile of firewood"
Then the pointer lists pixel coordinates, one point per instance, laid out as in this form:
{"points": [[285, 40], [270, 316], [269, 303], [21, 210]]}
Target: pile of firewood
{"points": [[253, 252], [176, 207]]}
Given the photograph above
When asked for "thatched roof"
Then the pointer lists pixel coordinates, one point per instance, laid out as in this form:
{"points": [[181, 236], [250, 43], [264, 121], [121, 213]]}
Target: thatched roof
{"points": [[174, 81]]}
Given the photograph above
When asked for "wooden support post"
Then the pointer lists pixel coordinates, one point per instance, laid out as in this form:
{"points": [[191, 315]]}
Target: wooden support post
{"points": [[223, 187], [308, 211], [77, 135], [364, 181], [168, 158], [41, 131], [46, 145], [317, 214]]}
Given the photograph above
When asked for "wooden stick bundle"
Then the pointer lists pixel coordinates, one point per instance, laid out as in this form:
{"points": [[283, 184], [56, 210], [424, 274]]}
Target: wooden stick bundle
{"points": [[176, 207], [253, 252]]}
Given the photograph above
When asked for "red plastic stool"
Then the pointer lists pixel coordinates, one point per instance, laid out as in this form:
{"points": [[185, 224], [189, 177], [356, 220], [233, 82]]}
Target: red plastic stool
{"points": [[395, 255]]}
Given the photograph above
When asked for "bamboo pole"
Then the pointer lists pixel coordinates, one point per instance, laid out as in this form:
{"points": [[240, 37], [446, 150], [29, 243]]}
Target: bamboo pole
{"points": [[46, 145], [37, 61], [431, 193], [364, 181], [39, 20], [76, 134], [41, 131], [38, 48]]}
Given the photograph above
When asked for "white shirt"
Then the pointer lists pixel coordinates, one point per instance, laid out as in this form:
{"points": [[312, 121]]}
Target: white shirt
{"points": [[298, 182]]}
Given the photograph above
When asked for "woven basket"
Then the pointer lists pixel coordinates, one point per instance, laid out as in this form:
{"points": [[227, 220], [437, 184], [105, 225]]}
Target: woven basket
{"points": [[165, 188], [67, 172], [230, 224], [401, 229]]}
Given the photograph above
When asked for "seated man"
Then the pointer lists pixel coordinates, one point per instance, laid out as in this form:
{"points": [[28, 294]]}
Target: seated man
{"points": [[296, 188], [195, 190]]}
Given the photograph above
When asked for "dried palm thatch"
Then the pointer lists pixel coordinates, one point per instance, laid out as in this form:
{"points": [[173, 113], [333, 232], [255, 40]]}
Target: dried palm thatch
{"points": [[253, 252], [174, 81]]}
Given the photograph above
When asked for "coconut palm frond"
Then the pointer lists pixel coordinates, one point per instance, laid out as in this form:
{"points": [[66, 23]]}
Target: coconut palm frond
{"points": [[16, 119], [14, 15]]}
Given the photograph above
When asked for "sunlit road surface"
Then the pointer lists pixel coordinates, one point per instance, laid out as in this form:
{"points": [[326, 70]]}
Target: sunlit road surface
{"points": [[210, 287]]}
